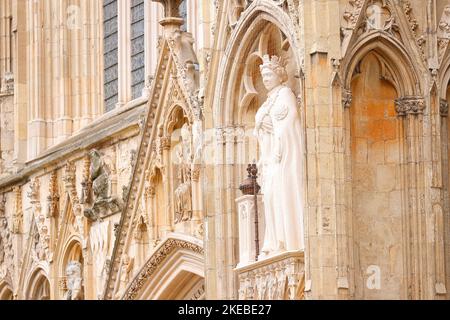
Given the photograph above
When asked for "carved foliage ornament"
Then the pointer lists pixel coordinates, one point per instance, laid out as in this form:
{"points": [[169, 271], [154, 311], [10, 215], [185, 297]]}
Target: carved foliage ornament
{"points": [[157, 258], [352, 13], [409, 105]]}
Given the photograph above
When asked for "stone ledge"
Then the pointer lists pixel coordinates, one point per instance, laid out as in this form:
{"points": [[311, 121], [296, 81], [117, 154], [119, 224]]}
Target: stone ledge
{"points": [[102, 129]]}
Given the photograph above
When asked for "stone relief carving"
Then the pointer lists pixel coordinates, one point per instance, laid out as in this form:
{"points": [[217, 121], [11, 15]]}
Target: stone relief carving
{"points": [[100, 239], [379, 17], [69, 185], [362, 17], [74, 281], [53, 196], [7, 83], [6, 245], [351, 16], [125, 271], [346, 98], [183, 193], [104, 203], [413, 25], [40, 246], [181, 44], [443, 32], [278, 128], [277, 280], [18, 213]]}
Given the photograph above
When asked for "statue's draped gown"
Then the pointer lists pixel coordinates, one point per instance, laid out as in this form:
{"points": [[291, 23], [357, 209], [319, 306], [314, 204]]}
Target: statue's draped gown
{"points": [[282, 164]]}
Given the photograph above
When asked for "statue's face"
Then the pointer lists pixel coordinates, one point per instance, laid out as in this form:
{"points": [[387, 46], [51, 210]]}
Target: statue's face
{"points": [[270, 78]]}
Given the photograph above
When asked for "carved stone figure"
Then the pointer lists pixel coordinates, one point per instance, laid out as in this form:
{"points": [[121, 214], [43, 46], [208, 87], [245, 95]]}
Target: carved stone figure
{"points": [[74, 281], [278, 129], [104, 202], [183, 193], [127, 266]]}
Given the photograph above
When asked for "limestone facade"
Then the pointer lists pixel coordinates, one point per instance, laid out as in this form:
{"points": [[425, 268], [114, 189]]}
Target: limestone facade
{"points": [[126, 131]]}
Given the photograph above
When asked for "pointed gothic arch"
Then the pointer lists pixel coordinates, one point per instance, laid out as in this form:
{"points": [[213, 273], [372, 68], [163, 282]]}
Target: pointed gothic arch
{"points": [[253, 21], [403, 72], [38, 285], [174, 271], [5, 291]]}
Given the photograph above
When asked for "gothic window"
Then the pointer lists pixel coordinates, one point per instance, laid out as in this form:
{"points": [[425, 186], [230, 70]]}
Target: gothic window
{"points": [[110, 55], [137, 48]]}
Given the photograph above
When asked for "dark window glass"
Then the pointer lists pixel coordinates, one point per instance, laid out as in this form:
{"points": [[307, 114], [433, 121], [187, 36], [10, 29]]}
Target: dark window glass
{"points": [[137, 48], [110, 54], [183, 14]]}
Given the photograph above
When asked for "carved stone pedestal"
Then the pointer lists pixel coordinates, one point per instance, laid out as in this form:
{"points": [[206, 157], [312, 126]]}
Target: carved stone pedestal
{"points": [[247, 243], [280, 277]]}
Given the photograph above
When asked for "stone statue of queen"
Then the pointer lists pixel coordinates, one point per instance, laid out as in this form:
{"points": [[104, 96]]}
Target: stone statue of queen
{"points": [[278, 130]]}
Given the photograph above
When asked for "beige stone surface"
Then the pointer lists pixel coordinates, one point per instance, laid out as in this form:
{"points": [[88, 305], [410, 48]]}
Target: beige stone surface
{"points": [[372, 90]]}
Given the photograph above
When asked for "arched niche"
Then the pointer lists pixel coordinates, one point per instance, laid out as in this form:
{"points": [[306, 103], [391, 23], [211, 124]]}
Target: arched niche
{"points": [[73, 252], [376, 181], [38, 286], [262, 29], [178, 129]]}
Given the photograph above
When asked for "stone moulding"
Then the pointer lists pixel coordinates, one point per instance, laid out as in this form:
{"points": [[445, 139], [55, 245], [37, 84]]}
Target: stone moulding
{"points": [[280, 277], [155, 260]]}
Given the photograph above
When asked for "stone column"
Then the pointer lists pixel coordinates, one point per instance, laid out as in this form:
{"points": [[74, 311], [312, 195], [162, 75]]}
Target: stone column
{"points": [[410, 109]]}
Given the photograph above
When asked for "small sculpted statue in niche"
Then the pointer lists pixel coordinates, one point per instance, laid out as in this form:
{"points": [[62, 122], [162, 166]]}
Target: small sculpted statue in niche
{"points": [[103, 203], [74, 281], [183, 193], [278, 130]]}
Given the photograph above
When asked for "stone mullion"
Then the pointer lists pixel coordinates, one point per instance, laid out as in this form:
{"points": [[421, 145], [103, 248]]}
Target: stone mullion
{"points": [[124, 49], [94, 81]]}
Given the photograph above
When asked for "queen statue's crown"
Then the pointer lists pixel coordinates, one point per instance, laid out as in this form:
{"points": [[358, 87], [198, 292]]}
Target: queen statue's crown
{"points": [[273, 62]]}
